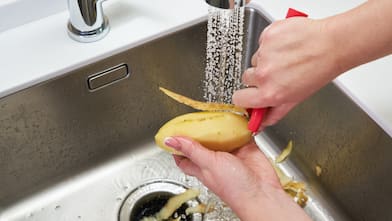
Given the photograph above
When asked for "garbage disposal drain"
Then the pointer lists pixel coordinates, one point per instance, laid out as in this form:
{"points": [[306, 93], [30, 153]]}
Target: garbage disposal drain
{"points": [[149, 198]]}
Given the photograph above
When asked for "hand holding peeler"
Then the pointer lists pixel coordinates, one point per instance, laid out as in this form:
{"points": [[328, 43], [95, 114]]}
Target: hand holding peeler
{"points": [[257, 114]]}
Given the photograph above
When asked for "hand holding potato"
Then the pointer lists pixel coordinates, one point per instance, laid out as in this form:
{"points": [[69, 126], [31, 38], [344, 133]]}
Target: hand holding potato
{"points": [[244, 179]]}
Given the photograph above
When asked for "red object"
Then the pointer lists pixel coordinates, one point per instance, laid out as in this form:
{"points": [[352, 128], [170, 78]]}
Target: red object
{"points": [[294, 13], [257, 114], [256, 117]]}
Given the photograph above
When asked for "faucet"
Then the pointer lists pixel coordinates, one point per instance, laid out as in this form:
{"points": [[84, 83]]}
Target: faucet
{"points": [[227, 4], [87, 23]]}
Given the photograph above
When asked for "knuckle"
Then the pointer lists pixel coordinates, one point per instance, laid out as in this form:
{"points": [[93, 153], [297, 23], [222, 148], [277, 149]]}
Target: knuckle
{"points": [[271, 32], [268, 33], [192, 148]]}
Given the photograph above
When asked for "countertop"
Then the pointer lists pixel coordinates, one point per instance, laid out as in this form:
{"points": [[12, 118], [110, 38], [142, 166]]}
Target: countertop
{"points": [[38, 48]]}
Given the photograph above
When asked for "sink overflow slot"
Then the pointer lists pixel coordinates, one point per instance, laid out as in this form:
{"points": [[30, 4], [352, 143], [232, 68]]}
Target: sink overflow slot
{"points": [[107, 77]]}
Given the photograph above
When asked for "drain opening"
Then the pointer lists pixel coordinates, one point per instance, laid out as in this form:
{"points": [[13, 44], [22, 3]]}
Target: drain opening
{"points": [[152, 203], [148, 199]]}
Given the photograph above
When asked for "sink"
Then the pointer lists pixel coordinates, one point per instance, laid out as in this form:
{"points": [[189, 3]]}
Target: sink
{"points": [[79, 146]]}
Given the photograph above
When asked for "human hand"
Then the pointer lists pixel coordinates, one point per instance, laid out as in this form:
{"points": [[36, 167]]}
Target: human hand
{"points": [[295, 58], [244, 179]]}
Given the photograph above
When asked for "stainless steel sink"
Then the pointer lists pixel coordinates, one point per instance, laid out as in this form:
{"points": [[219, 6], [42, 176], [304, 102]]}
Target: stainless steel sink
{"points": [[75, 147]]}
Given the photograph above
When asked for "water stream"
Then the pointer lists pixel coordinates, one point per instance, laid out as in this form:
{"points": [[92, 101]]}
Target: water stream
{"points": [[225, 33]]}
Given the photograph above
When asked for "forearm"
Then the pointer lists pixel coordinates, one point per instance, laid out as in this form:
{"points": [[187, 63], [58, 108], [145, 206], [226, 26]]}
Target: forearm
{"points": [[362, 34]]}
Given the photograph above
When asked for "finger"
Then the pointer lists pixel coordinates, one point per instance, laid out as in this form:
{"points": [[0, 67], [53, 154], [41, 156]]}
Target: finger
{"points": [[275, 114], [187, 166], [195, 152], [264, 33], [251, 98], [255, 59], [249, 78]]}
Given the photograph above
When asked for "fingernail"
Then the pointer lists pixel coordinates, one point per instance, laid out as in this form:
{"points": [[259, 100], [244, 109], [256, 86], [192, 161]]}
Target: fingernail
{"points": [[172, 142], [250, 70]]}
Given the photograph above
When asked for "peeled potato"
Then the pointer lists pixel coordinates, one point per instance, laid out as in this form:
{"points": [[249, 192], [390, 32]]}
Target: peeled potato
{"points": [[219, 131]]}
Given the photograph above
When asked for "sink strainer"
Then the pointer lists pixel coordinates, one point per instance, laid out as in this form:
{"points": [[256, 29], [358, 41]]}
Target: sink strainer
{"points": [[149, 198]]}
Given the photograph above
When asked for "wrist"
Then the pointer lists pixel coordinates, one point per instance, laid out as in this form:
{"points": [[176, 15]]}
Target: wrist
{"points": [[270, 203], [346, 52], [340, 50]]}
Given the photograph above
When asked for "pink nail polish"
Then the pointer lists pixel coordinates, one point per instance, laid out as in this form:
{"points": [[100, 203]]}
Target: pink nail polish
{"points": [[172, 142]]}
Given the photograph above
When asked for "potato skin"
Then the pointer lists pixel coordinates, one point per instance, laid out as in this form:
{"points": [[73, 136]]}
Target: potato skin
{"points": [[219, 131]]}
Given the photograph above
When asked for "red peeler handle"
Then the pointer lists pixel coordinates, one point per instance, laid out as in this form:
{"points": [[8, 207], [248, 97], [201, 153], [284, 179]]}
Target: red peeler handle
{"points": [[294, 13], [257, 114]]}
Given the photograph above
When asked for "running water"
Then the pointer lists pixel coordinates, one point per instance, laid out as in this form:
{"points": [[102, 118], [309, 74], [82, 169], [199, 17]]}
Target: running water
{"points": [[224, 53], [222, 77]]}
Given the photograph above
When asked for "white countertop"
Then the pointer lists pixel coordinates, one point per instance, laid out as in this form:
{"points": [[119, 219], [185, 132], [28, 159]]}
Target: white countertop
{"points": [[41, 49]]}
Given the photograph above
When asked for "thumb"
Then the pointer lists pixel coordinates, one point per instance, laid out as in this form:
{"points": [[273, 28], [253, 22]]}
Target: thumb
{"points": [[191, 149]]}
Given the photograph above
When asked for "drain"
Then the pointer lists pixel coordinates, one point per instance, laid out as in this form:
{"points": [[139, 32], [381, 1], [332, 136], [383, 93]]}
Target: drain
{"points": [[149, 198]]}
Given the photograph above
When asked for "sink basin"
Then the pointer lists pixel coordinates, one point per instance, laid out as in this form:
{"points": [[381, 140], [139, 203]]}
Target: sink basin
{"points": [[78, 146]]}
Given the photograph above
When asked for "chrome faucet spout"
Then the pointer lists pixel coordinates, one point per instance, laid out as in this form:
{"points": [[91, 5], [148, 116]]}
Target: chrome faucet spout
{"points": [[227, 4], [87, 22]]}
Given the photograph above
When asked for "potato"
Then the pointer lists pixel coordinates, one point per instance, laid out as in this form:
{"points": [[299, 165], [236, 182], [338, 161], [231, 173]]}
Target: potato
{"points": [[219, 127], [219, 131]]}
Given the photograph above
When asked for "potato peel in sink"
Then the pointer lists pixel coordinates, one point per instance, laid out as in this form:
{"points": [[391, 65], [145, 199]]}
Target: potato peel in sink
{"points": [[295, 189], [175, 202], [285, 153], [219, 127]]}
